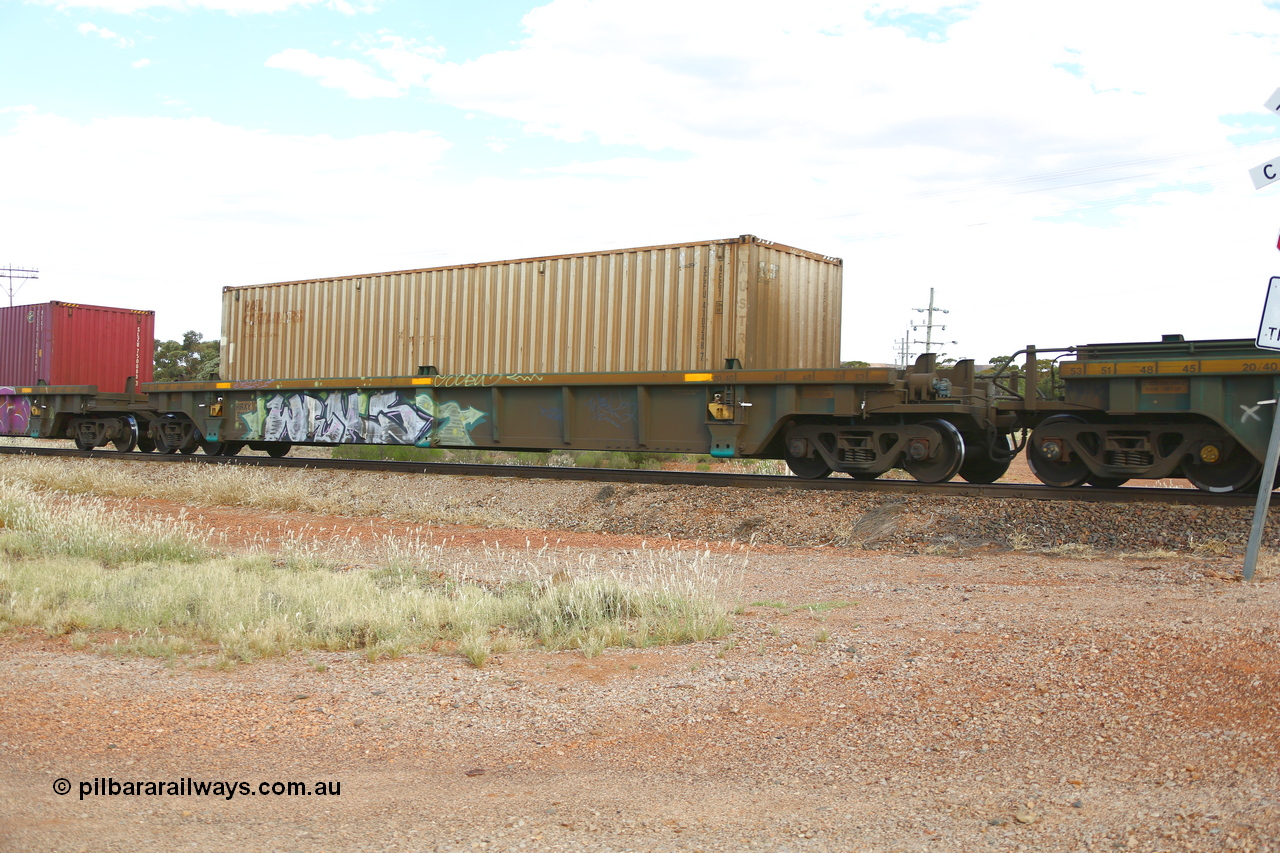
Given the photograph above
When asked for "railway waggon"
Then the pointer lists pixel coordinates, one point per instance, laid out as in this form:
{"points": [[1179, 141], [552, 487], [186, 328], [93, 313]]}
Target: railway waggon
{"points": [[1135, 411]]}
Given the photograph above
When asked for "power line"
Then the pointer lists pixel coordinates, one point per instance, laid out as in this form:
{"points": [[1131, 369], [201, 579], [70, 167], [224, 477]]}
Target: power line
{"points": [[903, 346], [16, 274], [928, 325]]}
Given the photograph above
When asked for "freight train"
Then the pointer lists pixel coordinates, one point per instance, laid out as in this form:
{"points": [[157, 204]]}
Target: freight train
{"points": [[1135, 411], [665, 349]]}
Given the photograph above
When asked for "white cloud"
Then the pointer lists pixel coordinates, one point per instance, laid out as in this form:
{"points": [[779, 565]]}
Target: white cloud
{"points": [[1058, 172], [405, 62], [408, 62], [170, 210], [140, 63], [234, 7], [350, 75], [821, 81], [923, 162], [104, 33]]}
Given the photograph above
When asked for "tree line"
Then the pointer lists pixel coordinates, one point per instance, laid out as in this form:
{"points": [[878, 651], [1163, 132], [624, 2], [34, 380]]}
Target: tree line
{"points": [[192, 359]]}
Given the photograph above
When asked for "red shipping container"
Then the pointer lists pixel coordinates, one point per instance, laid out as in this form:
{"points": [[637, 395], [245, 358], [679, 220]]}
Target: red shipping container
{"points": [[61, 343]]}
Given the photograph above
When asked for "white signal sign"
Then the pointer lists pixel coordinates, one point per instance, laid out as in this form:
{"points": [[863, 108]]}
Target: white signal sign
{"points": [[1269, 328], [1266, 174], [1273, 103]]}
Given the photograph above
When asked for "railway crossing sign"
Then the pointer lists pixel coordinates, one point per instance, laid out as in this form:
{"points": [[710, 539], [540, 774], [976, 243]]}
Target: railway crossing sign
{"points": [[1273, 103], [1269, 328], [1266, 174], [1269, 172]]}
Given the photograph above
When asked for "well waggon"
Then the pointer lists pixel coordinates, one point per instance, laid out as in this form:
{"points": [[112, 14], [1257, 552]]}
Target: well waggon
{"points": [[724, 314]]}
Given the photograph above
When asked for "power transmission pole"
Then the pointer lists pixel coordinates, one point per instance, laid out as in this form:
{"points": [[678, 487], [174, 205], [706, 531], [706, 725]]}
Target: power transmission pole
{"points": [[903, 347], [928, 325], [16, 273]]}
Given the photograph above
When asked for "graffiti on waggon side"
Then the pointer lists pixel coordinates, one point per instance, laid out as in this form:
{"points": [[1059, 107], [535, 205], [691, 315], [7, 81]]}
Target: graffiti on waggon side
{"points": [[357, 417], [611, 409], [15, 412], [454, 423], [482, 380]]}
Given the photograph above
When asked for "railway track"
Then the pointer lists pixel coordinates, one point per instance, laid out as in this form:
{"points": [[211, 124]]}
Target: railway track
{"points": [[1023, 491]]}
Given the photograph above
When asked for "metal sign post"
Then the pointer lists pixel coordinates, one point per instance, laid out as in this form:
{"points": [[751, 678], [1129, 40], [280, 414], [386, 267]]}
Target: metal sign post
{"points": [[1264, 501], [1268, 338]]}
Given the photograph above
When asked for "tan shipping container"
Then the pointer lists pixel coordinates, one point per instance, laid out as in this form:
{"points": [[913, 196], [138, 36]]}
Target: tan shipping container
{"points": [[687, 306]]}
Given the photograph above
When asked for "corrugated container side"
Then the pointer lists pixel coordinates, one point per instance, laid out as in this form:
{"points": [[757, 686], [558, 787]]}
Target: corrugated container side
{"points": [[659, 308], [101, 346], [63, 343], [23, 343]]}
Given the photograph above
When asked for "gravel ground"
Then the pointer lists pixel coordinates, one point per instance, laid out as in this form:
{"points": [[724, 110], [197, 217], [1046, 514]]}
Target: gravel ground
{"points": [[929, 690]]}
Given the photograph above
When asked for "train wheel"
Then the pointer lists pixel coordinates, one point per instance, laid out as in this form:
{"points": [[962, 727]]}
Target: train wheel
{"points": [[1106, 482], [1235, 472], [231, 448], [214, 448], [84, 444], [980, 466], [946, 460], [129, 440], [278, 449], [1045, 458], [805, 467], [146, 444]]}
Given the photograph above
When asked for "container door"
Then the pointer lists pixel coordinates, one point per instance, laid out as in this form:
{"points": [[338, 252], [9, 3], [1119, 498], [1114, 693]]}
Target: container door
{"points": [[41, 321]]}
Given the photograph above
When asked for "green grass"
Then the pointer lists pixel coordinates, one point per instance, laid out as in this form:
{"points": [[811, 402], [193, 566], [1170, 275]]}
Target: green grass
{"points": [[823, 606], [31, 528], [560, 459], [628, 460], [815, 609], [70, 566]]}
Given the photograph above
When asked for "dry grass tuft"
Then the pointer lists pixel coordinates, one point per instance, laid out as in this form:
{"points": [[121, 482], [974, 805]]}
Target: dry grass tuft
{"points": [[1268, 566], [326, 493], [874, 524], [70, 567]]}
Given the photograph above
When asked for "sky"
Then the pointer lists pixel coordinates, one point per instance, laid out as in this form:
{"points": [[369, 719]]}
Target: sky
{"points": [[1058, 173]]}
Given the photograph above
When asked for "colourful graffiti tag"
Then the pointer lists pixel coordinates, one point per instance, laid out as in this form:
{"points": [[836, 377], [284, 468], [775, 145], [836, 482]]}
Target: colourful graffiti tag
{"points": [[359, 417], [15, 412], [611, 409], [482, 380], [454, 424]]}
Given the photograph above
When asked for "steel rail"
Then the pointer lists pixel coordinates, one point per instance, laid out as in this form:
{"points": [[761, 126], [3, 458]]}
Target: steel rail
{"points": [[1024, 491]]}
